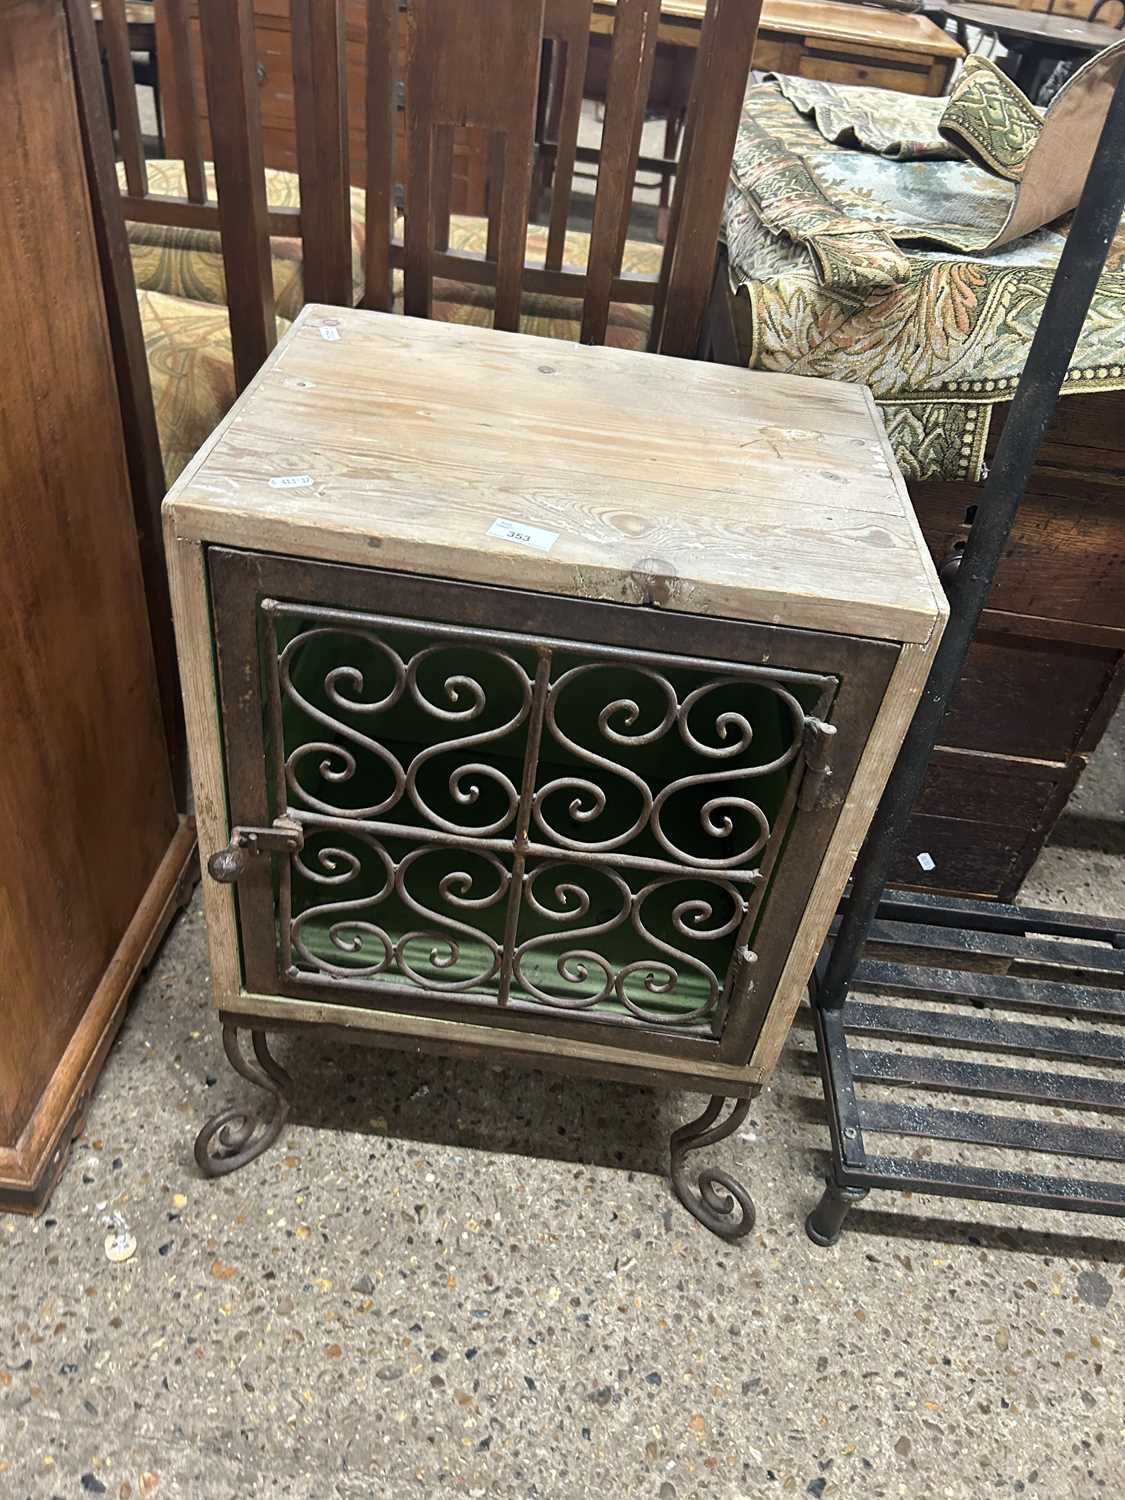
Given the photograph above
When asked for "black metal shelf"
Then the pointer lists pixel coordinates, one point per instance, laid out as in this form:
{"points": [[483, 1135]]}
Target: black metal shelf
{"points": [[953, 1008]]}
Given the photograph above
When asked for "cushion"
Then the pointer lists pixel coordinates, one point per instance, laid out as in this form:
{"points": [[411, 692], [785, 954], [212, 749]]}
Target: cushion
{"points": [[192, 371], [549, 317], [189, 263]]}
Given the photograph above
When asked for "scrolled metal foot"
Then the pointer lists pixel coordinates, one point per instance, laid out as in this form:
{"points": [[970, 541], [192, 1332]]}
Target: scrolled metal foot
{"points": [[826, 1222], [719, 1195], [236, 1136]]}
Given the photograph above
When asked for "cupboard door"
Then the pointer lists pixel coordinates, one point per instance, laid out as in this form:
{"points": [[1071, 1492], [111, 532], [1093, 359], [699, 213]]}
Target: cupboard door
{"points": [[543, 814]]}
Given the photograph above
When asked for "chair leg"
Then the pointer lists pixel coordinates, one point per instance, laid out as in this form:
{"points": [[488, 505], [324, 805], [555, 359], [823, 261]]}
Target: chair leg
{"points": [[158, 106], [826, 1222], [672, 129]]}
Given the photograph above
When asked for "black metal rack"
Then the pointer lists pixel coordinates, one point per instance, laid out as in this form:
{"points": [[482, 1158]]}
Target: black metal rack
{"points": [[962, 981], [948, 961]]}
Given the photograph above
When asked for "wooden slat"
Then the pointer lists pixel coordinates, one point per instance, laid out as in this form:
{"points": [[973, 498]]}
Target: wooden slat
{"points": [[630, 75], [115, 40], [134, 390], [442, 184], [515, 199], [382, 65], [718, 87], [166, 208], [568, 281], [471, 63], [495, 195], [172, 21], [227, 31], [417, 236], [568, 23], [321, 109]]}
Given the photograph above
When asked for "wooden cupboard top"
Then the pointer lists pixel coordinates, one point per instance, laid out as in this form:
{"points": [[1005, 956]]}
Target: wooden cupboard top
{"points": [[399, 443], [826, 20], [903, 31]]}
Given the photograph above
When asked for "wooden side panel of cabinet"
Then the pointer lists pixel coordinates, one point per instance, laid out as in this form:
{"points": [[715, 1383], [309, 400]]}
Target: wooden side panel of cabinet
{"points": [[91, 848]]}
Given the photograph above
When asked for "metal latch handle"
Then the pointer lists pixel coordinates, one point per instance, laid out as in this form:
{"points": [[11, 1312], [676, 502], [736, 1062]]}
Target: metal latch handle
{"points": [[282, 837]]}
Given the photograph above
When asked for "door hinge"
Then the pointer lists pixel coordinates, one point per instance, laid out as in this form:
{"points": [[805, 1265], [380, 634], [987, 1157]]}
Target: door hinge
{"points": [[742, 970], [819, 739], [283, 836]]}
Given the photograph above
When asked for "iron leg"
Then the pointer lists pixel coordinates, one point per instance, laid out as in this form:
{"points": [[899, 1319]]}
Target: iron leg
{"points": [[235, 1135], [826, 1222], [718, 1194]]}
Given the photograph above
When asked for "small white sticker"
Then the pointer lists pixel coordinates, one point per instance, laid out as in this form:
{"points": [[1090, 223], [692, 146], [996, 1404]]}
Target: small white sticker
{"points": [[329, 334], [927, 862], [290, 481], [526, 536]]}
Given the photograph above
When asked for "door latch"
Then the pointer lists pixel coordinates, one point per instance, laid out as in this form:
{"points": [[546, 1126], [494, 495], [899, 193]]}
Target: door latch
{"points": [[283, 836], [819, 739]]}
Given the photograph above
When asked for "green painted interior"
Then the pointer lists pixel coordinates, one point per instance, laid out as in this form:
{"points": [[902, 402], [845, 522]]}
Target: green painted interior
{"points": [[405, 729]]}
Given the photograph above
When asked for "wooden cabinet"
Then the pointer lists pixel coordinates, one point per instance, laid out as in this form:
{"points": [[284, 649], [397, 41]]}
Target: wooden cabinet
{"points": [[539, 695], [847, 43], [1048, 666], [824, 39], [91, 848]]}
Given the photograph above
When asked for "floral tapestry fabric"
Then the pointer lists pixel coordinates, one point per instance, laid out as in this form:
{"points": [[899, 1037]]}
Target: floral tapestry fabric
{"points": [[904, 126], [191, 368], [860, 265]]}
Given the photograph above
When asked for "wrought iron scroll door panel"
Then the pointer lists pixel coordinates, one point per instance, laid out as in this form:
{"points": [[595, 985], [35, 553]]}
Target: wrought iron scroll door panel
{"points": [[579, 819]]}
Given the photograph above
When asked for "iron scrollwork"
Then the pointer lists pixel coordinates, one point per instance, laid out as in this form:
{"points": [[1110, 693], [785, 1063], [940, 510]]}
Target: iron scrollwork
{"points": [[510, 819], [235, 1136], [719, 1201]]}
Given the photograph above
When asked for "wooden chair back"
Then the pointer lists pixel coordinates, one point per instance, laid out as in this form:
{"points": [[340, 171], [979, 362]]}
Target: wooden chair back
{"points": [[465, 63], [1109, 13]]}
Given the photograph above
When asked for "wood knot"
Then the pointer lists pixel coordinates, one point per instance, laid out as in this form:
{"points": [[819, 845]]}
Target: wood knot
{"points": [[657, 580]]}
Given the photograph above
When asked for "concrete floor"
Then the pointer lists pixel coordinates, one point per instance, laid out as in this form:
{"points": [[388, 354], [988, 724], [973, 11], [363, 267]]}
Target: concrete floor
{"points": [[460, 1280]]}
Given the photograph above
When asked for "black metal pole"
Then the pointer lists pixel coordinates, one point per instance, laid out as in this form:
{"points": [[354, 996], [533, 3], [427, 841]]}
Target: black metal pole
{"points": [[1095, 223]]}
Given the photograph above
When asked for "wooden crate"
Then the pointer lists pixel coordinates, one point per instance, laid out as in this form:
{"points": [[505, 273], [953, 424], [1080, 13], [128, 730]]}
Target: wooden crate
{"points": [[626, 645]]}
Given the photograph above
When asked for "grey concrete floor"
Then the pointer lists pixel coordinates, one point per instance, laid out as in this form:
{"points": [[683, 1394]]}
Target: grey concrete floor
{"points": [[461, 1280]]}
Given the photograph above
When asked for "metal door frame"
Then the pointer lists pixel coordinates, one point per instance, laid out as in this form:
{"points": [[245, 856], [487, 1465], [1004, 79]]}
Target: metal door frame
{"points": [[239, 583]]}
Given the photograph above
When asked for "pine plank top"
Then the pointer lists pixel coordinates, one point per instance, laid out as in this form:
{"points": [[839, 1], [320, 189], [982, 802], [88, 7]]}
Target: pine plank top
{"points": [[400, 443]]}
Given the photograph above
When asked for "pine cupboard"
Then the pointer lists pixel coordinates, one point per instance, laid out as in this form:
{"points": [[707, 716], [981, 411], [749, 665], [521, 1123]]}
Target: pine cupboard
{"points": [[539, 697]]}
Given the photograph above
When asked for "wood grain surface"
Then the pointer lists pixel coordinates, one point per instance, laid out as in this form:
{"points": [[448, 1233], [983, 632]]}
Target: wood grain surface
{"points": [[711, 490], [86, 805], [822, 19]]}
